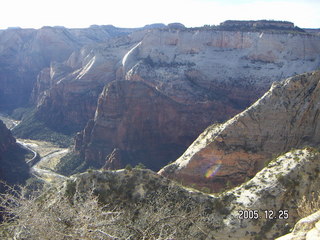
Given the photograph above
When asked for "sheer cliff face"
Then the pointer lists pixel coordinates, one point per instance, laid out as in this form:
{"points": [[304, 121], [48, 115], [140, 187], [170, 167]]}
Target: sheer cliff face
{"points": [[13, 168], [200, 65], [6, 139], [220, 67], [25, 52], [286, 117], [66, 93], [144, 124]]}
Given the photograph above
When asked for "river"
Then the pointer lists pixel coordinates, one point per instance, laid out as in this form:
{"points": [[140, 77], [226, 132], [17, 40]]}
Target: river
{"points": [[46, 155]]}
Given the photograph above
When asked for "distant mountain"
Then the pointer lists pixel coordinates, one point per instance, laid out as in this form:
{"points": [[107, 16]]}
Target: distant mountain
{"points": [[25, 52]]}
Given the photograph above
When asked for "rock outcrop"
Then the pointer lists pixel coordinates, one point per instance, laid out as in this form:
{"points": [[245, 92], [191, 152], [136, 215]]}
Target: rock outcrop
{"points": [[207, 65], [13, 168], [259, 25], [142, 123], [286, 117], [150, 202], [307, 228]]}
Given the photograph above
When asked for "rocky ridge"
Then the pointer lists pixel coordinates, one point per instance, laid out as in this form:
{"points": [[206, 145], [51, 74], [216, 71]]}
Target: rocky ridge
{"points": [[285, 117], [13, 168], [142, 194], [307, 228], [66, 93]]}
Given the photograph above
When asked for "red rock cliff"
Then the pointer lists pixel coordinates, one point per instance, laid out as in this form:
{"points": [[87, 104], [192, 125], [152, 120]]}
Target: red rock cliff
{"points": [[142, 123], [286, 117]]}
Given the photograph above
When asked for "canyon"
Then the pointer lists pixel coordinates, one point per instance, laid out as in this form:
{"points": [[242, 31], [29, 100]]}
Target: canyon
{"points": [[144, 94], [224, 118], [214, 74]]}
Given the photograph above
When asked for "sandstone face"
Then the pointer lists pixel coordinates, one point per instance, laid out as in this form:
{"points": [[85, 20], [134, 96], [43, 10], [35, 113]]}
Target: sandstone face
{"points": [[207, 65], [223, 68], [215, 73], [307, 228], [25, 52], [66, 93], [114, 160], [142, 195], [144, 124], [286, 117]]}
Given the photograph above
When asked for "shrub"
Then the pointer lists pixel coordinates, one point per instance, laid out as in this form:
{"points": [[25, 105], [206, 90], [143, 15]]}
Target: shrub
{"points": [[309, 205], [128, 167], [140, 166], [53, 215], [35, 217]]}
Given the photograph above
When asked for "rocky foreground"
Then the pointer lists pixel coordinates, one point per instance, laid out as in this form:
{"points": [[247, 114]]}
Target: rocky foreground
{"points": [[151, 203], [263, 207]]}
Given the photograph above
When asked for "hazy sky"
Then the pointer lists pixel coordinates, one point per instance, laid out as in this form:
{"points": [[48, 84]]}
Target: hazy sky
{"points": [[137, 13]]}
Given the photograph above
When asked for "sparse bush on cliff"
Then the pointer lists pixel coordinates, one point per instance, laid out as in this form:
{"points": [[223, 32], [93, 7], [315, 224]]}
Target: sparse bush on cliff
{"points": [[309, 205], [52, 215], [36, 217]]}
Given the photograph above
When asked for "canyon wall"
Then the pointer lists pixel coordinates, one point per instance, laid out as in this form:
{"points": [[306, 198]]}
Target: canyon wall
{"points": [[25, 52], [216, 74], [13, 168], [286, 117], [213, 74]]}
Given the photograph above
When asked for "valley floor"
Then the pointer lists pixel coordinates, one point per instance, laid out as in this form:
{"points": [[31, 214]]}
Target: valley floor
{"points": [[49, 154]]}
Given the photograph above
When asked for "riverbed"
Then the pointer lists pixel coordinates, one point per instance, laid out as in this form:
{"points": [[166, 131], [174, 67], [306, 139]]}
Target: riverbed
{"points": [[49, 153]]}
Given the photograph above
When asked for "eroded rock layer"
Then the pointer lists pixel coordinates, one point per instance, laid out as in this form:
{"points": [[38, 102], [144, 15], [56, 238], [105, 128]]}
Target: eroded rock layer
{"points": [[215, 73], [25, 52], [286, 117], [142, 123], [187, 65]]}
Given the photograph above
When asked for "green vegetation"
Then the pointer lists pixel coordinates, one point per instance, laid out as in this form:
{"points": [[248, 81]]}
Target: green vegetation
{"points": [[140, 166], [70, 164], [128, 167], [309, 205], [32, 128]]}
